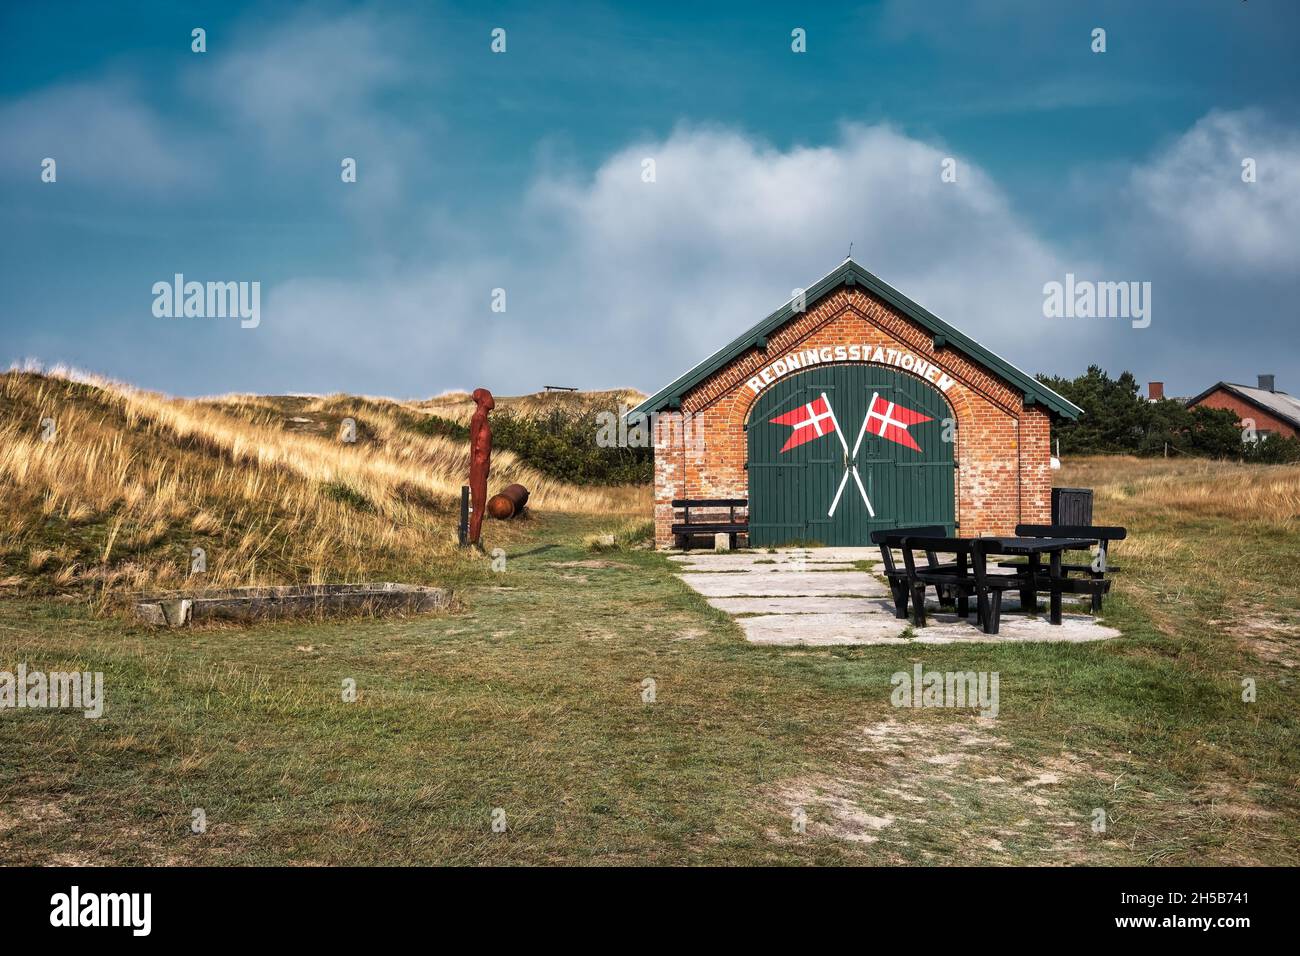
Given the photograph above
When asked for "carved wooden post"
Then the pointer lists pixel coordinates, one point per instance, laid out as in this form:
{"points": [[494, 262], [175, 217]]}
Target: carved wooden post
{"points": [[480, 460]]}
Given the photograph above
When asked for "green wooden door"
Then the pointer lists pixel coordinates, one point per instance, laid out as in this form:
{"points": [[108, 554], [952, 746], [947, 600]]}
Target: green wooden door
{"points": [[803, 486]]}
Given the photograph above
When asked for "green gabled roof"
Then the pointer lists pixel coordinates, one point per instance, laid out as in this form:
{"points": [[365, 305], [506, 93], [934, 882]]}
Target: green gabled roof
{"points": [[850, 273]]}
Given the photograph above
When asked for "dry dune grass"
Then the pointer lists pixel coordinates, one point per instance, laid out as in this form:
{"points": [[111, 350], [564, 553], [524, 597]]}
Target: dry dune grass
{"points": [[1197, 528], [131, 480], [1253, 494], [458, 406]]}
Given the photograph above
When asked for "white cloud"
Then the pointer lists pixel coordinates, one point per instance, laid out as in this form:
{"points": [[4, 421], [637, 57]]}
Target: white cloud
{"points": [[612, 280], [305, 73], [101, 134], [1198, 203], [407, 332], [309, 91]]}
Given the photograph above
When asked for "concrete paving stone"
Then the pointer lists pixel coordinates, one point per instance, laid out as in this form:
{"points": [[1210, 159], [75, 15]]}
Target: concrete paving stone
{"points": [[816, 630], [707, 559], [871, 629], [836, 554], [793, 584], [790, 567], [801, 605], [1073, 629]]}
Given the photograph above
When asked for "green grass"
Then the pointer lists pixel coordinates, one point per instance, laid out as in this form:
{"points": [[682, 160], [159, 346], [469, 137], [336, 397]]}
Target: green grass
{"points": [[531, 700], [341, 491]]}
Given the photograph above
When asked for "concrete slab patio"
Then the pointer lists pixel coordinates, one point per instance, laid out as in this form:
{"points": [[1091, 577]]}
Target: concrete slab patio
{"points": [[784, 598]]}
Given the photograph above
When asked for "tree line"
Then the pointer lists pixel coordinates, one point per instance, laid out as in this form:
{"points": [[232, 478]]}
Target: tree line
{"points": [[1117, 420]]}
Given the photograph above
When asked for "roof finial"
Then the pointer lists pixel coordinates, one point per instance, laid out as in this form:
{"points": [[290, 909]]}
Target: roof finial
{"points": [[850, 255]]}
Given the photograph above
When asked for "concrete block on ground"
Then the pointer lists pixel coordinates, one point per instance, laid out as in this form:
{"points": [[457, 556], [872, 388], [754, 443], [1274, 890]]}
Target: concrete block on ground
{"points": [[265, 603]]}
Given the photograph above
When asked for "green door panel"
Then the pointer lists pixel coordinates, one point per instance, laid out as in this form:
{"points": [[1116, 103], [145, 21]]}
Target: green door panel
{"points": [[791, 492]]}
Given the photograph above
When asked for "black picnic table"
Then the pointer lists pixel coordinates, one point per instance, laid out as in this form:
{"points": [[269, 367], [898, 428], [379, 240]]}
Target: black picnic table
{"points": [[1034, 548]]}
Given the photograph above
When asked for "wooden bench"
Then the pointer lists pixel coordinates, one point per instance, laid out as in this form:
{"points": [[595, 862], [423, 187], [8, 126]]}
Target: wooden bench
{"points": [[968, 578], [733, 526], [898, 580], [1096, 571]]}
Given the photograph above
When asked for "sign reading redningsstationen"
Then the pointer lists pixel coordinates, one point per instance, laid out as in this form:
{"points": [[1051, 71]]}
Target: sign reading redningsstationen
{"points": [[877, 355]]}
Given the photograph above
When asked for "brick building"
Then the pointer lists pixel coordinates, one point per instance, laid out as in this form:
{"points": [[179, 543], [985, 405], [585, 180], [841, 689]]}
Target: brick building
{"points": [[852, 408], [1270, 412]]}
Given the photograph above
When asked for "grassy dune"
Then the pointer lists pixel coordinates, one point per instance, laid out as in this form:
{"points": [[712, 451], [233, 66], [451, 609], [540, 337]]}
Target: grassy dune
{"points": [[530, 700], [1262, 496], [130, 481]]}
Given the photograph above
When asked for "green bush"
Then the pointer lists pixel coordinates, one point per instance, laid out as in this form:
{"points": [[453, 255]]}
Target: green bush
{"points": [[561, 443]]}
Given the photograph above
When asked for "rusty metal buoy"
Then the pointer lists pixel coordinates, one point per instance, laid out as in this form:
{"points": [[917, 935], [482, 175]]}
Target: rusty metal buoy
{"points": [[509, 503]]}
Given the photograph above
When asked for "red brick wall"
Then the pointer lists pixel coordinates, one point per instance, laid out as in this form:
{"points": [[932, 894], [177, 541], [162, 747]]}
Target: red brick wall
{"points": [[1003, 447], [1220, 398]]}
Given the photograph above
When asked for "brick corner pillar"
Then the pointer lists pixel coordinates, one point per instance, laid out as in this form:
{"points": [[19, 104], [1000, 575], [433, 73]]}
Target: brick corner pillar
{"points": [[1035, 467], [669, 472]]}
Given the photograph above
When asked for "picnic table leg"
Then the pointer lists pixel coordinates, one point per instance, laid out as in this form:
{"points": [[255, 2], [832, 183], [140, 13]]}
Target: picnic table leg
{"points": [[1098, 575], [942, 592], [899, 589], [918, 605], [962, 599], [993, 614], [1029, 593], [1055, 617]]}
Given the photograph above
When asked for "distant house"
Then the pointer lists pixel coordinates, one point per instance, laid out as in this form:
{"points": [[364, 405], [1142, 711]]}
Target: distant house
{"points": [[1270, 411]]}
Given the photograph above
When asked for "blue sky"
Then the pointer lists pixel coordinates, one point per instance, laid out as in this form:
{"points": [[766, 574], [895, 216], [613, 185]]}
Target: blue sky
{"points": [[522, 171]]}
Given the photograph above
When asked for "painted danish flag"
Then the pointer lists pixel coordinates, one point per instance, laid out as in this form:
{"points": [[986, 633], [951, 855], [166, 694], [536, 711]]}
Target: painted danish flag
{"points": [[888, 420], [810, 421]]}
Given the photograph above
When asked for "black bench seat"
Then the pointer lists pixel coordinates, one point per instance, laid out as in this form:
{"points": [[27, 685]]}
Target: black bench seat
{"points": [[969, 578], [899, 587], [1096, 570], [731, 525]]}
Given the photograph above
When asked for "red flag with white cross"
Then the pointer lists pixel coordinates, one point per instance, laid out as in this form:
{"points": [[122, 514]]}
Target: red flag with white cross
{"points": [[812, 420], [887, 419]]}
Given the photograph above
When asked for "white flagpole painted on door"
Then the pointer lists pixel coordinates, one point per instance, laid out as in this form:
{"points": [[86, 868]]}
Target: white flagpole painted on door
{"points": [[839, 431], [851, 466]]}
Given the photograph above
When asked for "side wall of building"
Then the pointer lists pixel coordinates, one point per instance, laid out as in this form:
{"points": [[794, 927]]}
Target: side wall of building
{"points": [[1264, 422]]}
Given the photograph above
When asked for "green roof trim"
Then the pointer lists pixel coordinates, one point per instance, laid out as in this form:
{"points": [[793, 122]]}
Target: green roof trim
{"points": [[850, 273]]}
